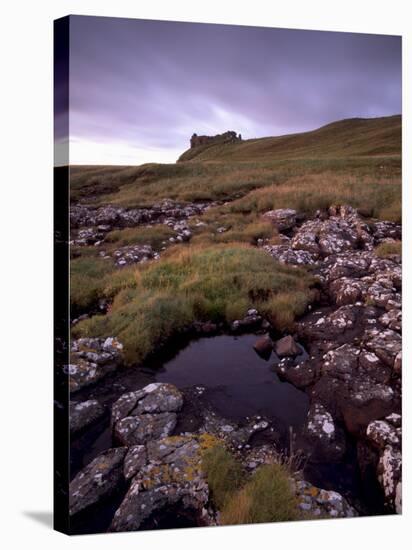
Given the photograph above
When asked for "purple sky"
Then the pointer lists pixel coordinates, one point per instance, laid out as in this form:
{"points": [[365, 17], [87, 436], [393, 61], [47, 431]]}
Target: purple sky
{"points": [[139, 89]]}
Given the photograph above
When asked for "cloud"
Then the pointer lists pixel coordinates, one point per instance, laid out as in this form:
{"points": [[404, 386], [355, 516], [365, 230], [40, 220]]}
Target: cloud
{"points": [[143, 87]]}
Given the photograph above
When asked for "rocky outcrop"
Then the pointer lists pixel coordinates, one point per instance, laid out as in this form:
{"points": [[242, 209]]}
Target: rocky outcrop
{"points": [[226, 137], [315, 502], [283, 218], [91, 360]]}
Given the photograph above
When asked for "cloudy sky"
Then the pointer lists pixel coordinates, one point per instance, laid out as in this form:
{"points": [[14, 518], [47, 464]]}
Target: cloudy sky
{"points": [[139, 89]]}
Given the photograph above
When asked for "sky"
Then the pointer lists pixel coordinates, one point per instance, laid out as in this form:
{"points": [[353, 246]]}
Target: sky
{"points": [[139, 89]]}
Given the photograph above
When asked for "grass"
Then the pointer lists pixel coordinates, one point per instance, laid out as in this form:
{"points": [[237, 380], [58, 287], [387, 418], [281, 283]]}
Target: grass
{"points": [[344, 138], [388, 249], [379, 199], [266, 496], [224, 474], [153, 302], [152, 235]]}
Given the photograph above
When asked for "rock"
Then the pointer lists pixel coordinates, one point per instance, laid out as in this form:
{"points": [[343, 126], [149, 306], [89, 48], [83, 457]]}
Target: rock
{"points": [[390, 477], [283, 218], [365, 401], [263, 347], [84, 414], [327, 441], [154, 398], [172, 480], [317, 502], [136, 458], [99, 480], [385, 344], [146, 414], [136, 430], [286, 255], [300, 375], [381, 433], [397, 365], [286, 347], [133, 254], [91, 360]]}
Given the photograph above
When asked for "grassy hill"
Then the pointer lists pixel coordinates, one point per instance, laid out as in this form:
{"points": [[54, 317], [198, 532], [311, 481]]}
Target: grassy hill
{"points": [[350, 137]]}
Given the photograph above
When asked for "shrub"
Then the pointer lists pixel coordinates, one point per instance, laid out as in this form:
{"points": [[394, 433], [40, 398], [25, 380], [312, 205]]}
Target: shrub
{"points": [[267, 497], [224, 474]]}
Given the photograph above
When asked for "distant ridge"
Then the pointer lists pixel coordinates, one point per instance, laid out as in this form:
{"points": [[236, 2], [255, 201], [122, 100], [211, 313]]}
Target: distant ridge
{"points": [[344, 138]]}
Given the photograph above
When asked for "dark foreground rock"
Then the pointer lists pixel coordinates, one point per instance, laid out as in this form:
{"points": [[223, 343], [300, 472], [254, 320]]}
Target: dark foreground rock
{"points": [[84, 414], [98, 481]]}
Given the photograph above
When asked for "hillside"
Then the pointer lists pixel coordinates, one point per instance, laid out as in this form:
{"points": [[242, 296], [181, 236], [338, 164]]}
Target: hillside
{"points": [[350, 137]]}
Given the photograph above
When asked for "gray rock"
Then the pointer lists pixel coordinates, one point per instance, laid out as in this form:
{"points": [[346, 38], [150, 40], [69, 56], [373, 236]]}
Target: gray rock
{"points": [[84, 414], [97, 481], [137, 430]]}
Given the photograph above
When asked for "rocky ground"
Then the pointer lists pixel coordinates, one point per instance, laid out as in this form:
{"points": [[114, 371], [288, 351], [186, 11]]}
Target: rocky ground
{"points": [[352, 373]]}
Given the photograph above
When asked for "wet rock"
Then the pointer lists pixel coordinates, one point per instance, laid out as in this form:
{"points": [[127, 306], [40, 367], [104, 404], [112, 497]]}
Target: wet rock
{"points": [[91, 360], [286, 347], [99, 480], [327, 442], [251, 321], [134, 461], [283, 218], [84, 414], [263, 346], [301, 375]]}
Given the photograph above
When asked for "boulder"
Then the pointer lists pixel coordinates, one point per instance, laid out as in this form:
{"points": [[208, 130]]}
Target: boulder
{"points": [[283, 218], [286, 347], [97, 481], [263, 347]]}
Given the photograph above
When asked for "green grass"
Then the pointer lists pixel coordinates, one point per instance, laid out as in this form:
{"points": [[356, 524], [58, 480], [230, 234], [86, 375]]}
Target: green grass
{"points": [[154, 301], [267, 497], [224, 474], [344, 138], [388, 249], [152, 235]]}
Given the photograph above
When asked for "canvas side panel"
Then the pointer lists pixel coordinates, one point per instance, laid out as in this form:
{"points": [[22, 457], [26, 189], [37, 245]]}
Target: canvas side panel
{"points": [[61, 274]]}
